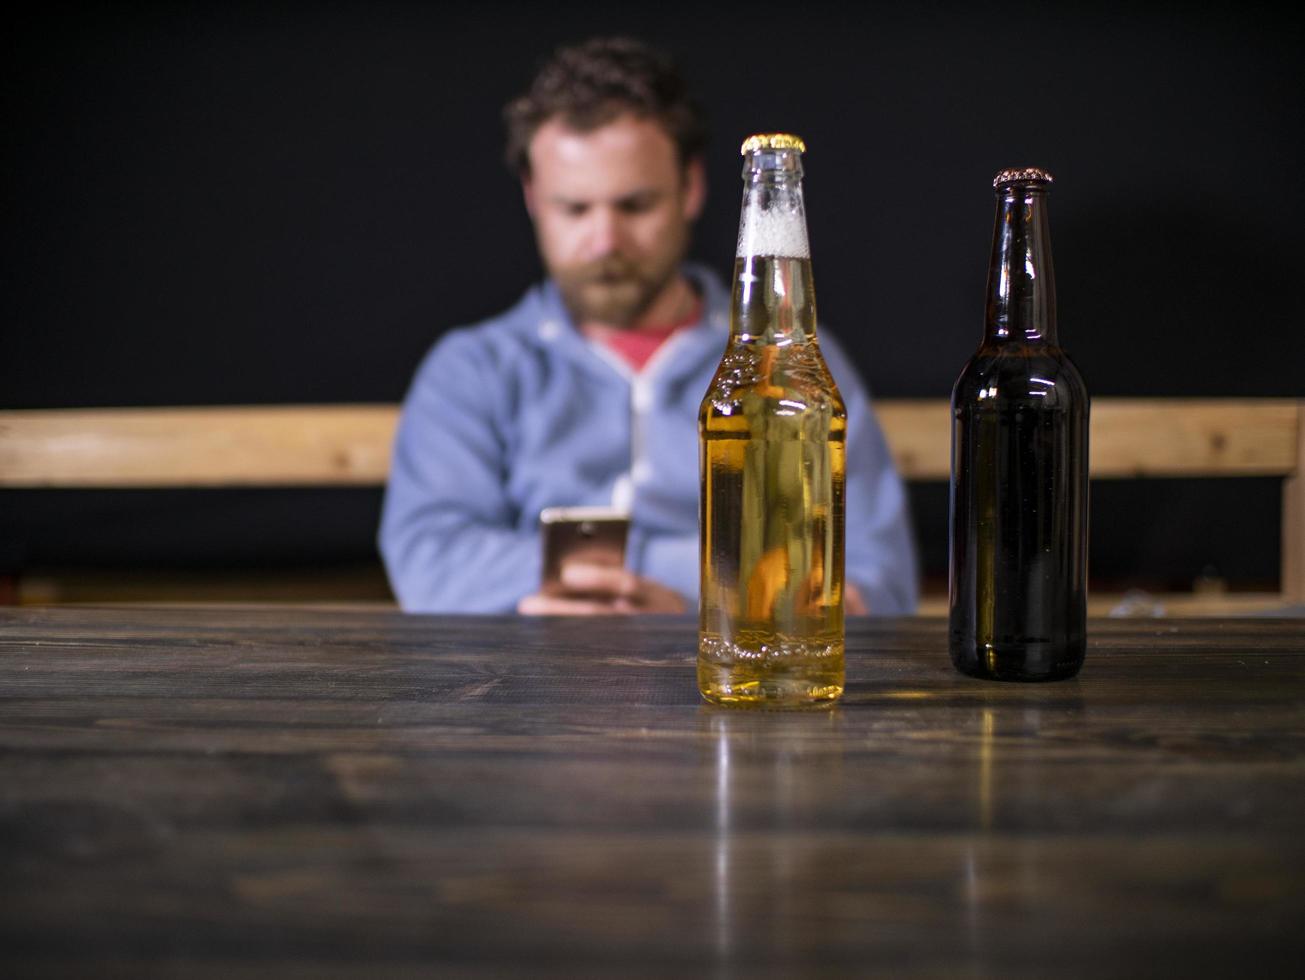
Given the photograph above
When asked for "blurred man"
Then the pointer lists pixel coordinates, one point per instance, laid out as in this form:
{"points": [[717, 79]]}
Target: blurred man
{"points": [[587, 391]]}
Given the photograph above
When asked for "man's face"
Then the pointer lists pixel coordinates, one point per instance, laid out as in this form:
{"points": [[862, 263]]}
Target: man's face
{"points": [[612, 209]]}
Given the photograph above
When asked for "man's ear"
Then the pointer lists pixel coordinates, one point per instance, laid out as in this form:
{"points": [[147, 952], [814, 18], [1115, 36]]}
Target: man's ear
{"points": [[695, 188], [528, 194]]}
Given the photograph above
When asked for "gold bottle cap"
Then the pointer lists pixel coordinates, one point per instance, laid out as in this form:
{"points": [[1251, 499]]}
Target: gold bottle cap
{"points": [[1019, 175], [772, 141]]}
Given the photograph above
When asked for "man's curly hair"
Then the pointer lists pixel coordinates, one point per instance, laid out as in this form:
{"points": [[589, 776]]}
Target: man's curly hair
{"points": [[592, 83]]}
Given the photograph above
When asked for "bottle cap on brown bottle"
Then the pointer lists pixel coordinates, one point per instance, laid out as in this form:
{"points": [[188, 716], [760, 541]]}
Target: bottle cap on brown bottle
{"points": [[1022, 175]]}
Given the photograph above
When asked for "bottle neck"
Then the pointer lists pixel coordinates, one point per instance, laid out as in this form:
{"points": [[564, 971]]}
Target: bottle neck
{"points": [[1021, 281], [774, 299]]}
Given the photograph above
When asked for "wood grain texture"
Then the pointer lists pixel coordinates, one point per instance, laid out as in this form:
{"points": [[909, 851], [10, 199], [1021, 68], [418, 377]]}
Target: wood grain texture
{"points": [[254, 791], [1130, 437], [1194, 437], [324, 445], [271, 445]]}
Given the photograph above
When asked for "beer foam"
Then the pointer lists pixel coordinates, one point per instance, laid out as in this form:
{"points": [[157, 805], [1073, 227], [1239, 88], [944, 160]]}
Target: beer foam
{"points": [[773, 231]]}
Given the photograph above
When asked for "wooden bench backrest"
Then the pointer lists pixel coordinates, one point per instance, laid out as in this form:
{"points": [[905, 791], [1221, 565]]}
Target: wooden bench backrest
{"points": [[349, 445]]}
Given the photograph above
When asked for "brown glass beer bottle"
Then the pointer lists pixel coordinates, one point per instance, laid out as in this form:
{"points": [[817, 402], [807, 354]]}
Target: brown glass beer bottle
{"points": [[1019, 476]]}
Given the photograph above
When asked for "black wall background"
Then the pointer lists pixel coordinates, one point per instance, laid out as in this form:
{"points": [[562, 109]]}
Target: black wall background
{"points": [[278, 202]]}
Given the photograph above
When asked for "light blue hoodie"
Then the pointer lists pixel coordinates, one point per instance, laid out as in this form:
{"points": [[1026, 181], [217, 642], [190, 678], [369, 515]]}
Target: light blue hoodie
{"points": [[522, 412]]}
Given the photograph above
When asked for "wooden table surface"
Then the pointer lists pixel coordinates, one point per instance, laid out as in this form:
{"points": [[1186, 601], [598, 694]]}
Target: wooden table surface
{"points": [[262, 791]]}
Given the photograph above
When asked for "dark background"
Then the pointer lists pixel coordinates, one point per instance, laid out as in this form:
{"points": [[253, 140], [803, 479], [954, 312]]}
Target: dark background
{"points": [[276, 202]]}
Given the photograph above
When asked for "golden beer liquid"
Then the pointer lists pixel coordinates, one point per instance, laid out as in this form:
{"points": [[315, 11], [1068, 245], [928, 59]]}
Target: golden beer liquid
{"points": [[773, 430]]}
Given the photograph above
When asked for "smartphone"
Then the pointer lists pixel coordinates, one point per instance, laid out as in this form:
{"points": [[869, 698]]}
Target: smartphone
{"points": [[592, 535]]}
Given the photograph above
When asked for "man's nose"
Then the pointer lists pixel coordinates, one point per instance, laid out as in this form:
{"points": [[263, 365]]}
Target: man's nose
{"points": [[606, 232]]}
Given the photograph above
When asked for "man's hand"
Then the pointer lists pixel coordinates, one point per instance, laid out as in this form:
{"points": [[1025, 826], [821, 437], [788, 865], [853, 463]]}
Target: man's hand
{"points": [[599, 590], [853, 604]]}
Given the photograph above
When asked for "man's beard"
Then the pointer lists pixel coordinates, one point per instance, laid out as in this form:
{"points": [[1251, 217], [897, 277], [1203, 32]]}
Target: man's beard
{"points": [[612, 291]]}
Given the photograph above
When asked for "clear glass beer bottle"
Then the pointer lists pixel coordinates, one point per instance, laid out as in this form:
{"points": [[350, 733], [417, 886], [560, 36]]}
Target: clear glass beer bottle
{"points": [[1019, 480], [772, 428]]}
